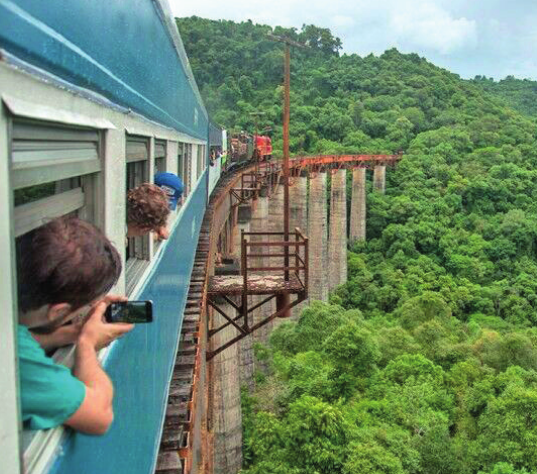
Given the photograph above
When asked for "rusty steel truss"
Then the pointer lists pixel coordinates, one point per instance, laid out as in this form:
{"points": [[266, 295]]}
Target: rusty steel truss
{"points": [[272, 280], [275, 281]]}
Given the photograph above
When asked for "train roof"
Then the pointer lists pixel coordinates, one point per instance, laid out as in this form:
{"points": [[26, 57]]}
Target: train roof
{"points": [[77, 47]]}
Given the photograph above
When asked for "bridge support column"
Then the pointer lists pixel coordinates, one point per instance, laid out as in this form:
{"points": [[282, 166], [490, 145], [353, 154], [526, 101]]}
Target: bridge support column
{"points": [[358, 205], [379, 179], [246, 353], [317, 233], [260, 223], [227, 415], [298, 195], [337, 243], [275, 224]]}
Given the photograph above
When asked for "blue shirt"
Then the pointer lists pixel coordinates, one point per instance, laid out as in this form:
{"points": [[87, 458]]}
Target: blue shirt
{"points": [[50, 394]]}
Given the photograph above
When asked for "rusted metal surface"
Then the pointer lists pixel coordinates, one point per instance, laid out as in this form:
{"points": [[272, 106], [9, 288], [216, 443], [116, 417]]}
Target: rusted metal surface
{"points": [[275, 280], [184, 444], [316, 163], [300, 297], [287, 87], [258, 283]]}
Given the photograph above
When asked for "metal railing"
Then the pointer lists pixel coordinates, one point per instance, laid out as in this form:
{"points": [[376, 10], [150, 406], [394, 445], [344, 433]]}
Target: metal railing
{"points": [[293, 269]]}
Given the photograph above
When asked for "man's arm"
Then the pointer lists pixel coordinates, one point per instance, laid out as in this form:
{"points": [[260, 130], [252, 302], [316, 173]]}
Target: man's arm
{"points": [[95, 415]]}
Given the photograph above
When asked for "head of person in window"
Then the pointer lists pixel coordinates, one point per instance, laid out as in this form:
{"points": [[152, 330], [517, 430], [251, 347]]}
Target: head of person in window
{"points": [[65, 270], [147, 211], [172, 185]]}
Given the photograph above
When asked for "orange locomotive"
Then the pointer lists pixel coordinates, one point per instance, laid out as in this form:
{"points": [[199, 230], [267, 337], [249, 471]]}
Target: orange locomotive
{"points": [[245, 147]]}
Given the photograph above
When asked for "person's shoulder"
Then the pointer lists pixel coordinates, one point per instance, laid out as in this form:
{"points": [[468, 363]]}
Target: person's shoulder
{"points": [[25, 339], [29, 349]]}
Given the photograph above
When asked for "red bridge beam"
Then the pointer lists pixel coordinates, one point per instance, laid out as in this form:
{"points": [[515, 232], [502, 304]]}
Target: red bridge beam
{"points": [[353, 161]]}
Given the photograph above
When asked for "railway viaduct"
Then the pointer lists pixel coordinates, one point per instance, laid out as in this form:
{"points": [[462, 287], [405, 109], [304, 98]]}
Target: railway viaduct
{"points": [[202, 431]]}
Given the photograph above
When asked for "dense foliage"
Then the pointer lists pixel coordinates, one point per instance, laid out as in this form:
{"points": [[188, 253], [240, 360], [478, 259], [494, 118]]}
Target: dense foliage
{"points": [[521, 94], [424, 362]]}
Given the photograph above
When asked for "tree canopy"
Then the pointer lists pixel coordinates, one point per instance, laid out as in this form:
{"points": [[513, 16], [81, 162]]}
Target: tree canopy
{"points": [[424, 362]]}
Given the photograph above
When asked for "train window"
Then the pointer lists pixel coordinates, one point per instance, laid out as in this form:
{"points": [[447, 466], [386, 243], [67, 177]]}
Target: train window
{"points": [[54, 172], [137, 251], [187, 147], [160, 156], [181, 161], [200, 161]]}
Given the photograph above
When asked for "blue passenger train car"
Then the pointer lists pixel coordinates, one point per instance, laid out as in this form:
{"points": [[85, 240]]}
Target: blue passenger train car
{"points": [[97, 96]]}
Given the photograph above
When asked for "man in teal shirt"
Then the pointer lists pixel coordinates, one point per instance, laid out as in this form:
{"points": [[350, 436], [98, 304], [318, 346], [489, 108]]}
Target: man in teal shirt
{"points": [[65, 269]]}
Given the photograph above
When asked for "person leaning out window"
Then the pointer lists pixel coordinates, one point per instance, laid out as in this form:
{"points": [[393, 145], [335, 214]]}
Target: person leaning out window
{"points": [[65, 269]]}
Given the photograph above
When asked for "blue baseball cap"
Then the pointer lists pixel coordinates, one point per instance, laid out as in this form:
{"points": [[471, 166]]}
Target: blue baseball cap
{"points": [[172, 185]]}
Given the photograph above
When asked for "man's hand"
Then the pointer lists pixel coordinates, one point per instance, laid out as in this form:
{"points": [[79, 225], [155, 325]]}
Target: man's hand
{"points": [[96, 331], [162, 233]]}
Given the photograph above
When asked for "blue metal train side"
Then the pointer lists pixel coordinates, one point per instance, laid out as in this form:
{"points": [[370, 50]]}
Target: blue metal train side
{"points": [[141, 364], [116, 48], [125, 54]]}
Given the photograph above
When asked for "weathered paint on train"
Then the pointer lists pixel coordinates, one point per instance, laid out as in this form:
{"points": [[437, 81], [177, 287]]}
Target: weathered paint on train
{"points": [[121, 50]]}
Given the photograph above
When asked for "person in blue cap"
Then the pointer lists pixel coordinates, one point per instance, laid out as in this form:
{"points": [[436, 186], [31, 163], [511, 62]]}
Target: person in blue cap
{"points": [[172, 185]]}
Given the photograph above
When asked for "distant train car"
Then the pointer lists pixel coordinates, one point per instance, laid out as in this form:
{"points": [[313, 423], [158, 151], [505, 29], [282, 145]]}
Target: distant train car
{"points": [[263, 146], [243, 148]]}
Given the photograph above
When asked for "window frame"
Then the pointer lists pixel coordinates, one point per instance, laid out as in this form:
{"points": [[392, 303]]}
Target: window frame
{"points": [[199, 162], [142, 246], [181, 161], [187, 157], [160, 153], [84, 199], [38, 447]]}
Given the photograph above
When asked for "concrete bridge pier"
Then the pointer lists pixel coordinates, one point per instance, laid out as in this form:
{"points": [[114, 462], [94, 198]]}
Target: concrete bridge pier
{"points": [[260, 223], [317, 233], [246, 354], [298, 202], [358, 205], [226, 400], [337, 243], [379, 179], [275, 224]]}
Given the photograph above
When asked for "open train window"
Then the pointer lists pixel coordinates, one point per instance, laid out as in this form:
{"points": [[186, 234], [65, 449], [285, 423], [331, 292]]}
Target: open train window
{"points": [[181, 163], [55, 171], [187, 156], [160, 156], [137, 251]]}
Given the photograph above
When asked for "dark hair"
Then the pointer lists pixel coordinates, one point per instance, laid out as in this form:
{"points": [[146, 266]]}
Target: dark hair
{"points": [[148, 207], [67, 260]]}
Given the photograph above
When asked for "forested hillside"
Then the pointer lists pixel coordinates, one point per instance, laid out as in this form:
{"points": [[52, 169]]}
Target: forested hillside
{"points": [[424, 362], [520, 94]]}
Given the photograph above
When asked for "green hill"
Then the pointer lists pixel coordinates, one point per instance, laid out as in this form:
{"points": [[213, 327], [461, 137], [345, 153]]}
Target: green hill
{"points": [[425, 360], [339, 103], [520, 94]]}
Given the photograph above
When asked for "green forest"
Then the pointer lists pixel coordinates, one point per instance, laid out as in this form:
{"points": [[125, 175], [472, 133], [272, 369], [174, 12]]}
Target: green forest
{"points": [[425, 360]]}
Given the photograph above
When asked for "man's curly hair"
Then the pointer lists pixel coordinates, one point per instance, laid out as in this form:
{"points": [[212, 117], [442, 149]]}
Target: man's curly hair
{"points": [[148, 207]]}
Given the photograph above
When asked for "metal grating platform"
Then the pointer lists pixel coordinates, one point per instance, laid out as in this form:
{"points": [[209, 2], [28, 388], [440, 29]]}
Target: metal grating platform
{"points": [[257, 284]]}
